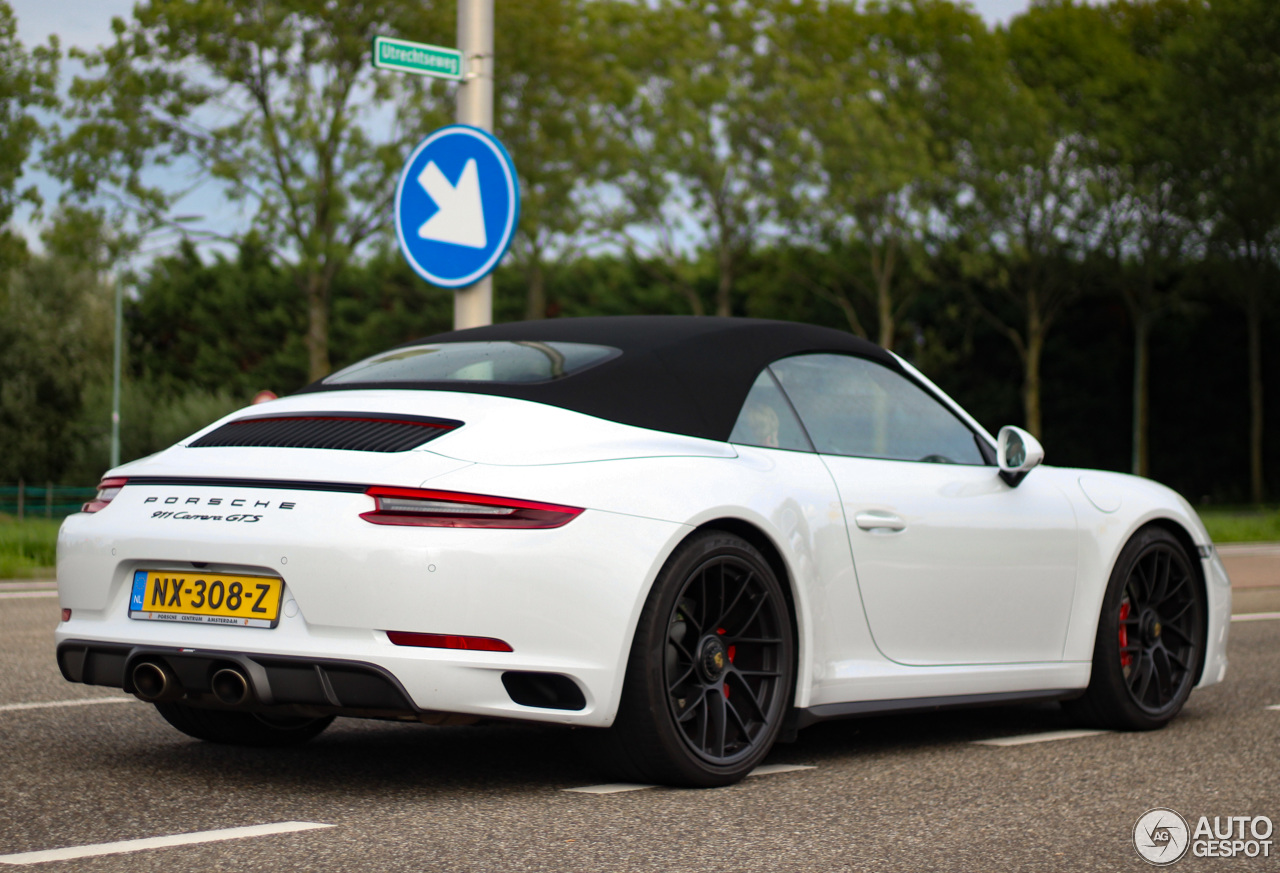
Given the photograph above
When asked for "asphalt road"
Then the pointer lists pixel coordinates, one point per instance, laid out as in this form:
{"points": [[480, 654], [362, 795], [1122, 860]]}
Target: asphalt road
{"points": [[893, 793]]}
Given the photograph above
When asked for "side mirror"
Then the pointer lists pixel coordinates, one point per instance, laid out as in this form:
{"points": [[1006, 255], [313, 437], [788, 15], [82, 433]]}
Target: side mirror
{"points": [[1017, 453]]}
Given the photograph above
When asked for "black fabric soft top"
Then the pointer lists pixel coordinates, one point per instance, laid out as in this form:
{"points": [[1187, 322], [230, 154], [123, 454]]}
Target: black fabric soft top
{"points": [[677, 373]]}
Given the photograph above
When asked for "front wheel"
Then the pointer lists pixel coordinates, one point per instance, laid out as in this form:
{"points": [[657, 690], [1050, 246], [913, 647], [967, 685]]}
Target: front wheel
{"points": [[241, 728], [1151, 637], [711, 670]]}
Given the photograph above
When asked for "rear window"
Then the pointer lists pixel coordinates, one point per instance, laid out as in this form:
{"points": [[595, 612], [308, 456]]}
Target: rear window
{"points": [[510, 362]]}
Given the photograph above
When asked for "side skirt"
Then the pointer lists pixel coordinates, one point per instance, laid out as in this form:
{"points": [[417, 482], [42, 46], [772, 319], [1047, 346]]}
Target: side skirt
{"points": [[803, 718]]}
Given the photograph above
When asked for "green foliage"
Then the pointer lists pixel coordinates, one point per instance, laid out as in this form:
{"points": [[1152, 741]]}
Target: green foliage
{"points": [[223, 324], [28, 82], [27, 548], [276, 102], [55, 335], [151, 419], [1046, 216]]}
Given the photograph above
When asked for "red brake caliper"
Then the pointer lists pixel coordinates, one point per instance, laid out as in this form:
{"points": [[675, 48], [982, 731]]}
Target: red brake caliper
{"points": [[1126, 658], [733, 650]]}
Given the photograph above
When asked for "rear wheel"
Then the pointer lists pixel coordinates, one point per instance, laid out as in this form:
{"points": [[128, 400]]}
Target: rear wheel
{"points": [[1151, 637], [241, 728], [711, 670]]}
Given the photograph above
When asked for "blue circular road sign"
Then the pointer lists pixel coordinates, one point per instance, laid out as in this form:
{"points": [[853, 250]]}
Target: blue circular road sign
{"points": [[457, 205]]}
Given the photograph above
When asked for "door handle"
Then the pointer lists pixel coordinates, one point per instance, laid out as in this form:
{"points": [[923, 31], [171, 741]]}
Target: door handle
{"points": [[874, 519]]}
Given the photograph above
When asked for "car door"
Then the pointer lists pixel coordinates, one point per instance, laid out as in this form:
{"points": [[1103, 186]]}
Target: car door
{"points": [[953, 565]]}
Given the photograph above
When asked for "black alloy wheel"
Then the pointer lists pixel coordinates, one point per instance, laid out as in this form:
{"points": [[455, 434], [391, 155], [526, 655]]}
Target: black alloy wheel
{"points": [[1151, 636], [711, 671]]}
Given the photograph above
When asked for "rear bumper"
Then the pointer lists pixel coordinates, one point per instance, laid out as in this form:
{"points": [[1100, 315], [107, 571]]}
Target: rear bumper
{"points": [[566, 600]]}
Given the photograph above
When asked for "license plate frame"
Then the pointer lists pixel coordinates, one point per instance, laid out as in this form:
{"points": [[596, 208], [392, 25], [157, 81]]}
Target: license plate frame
{"points": [[188, 597]]}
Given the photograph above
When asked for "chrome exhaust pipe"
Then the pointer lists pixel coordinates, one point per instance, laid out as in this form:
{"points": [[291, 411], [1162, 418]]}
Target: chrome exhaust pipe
{"points": [[153, 681], [230, 687]]}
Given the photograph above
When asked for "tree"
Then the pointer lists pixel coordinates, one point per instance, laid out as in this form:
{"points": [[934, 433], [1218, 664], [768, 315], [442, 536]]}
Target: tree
{"points": [[1226, 77], [275, 102], [555, 68], [28, 82], [1101, 67], [878, 92], [707, 118], [1028, 203], [55, 342]]}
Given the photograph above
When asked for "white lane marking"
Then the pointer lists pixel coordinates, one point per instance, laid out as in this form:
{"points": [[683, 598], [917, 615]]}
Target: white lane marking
{"points": [[33, 585], [89, 701], [1256, 616], [125, 846], [15, 595], [611, 788], [771, 769], [1046, 737], [1277, 707], [619, 787]]}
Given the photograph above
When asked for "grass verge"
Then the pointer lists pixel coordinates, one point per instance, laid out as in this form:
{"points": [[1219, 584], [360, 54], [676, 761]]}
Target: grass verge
{"points": [[28, 548], [1243, 525]]}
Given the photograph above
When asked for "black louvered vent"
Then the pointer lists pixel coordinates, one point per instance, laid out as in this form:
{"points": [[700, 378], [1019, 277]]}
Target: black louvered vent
{"points": [[352, 431]]}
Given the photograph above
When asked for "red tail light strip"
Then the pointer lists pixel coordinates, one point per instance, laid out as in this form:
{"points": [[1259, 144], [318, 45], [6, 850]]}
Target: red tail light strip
{"points": [[427, 508], [448, 641], [107, 490]]}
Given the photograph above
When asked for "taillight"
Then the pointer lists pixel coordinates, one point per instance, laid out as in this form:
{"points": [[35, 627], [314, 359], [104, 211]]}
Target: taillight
{"points": [[424, 508], [448, 641], [107, 491]]}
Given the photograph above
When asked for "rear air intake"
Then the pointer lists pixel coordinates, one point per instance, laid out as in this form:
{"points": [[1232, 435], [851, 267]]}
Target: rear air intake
{"points": [[350, 431]]}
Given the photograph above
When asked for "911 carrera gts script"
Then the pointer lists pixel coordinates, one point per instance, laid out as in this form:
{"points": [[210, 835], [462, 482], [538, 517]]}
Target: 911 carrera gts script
{"points": [[191, 516]]}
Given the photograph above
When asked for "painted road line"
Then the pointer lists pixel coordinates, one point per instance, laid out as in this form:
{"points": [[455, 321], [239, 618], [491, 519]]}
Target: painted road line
{"points": [[611, 788], [126, 846], [89, 701], [19, 595], [32, 585], [1276, 707], [771, 769], [1256, 616], [1046, 737]]}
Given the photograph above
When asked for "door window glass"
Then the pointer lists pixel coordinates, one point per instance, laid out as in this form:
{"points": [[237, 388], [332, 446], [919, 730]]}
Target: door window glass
{"points": [[852, 406]]}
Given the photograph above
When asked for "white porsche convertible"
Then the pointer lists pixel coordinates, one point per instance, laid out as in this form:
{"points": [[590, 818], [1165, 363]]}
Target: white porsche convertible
{"points": [[689, 534]]}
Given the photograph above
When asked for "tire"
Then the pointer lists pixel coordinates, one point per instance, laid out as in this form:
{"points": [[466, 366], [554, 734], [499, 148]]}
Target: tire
{"points": [[1151, 637], [241, 728], [711, 671]]}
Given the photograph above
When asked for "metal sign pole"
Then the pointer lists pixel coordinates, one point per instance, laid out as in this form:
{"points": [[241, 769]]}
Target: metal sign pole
{"points": [[473, 306], [117, 355]]}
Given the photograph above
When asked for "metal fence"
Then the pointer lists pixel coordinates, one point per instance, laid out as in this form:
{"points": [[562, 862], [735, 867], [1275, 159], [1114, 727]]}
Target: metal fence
{"points": [[43, 501]]}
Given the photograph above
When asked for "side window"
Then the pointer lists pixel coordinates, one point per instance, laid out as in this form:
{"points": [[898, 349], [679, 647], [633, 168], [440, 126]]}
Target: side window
{"points": [[852, 406], [767, 419]]}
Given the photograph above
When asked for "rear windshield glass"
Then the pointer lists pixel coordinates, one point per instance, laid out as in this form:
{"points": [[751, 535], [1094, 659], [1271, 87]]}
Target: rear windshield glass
{"points": [[475, 362]]}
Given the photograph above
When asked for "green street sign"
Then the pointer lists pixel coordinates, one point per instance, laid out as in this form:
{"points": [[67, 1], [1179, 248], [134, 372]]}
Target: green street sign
{"points": [[415, 57]]}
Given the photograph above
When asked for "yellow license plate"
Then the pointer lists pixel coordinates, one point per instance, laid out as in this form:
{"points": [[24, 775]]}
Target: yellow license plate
{"points": [[206, 598]]}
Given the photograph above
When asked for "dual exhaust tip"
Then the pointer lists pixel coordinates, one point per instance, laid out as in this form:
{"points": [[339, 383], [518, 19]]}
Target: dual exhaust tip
{"points": [[154, 681]]}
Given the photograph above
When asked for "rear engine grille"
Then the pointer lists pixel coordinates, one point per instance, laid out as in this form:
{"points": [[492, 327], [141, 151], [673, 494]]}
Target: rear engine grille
{"points": [[351, 431]]}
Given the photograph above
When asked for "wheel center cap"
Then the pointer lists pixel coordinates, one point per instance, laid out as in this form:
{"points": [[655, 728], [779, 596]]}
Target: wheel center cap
{"points": [[713, 659], [1151, 626]]}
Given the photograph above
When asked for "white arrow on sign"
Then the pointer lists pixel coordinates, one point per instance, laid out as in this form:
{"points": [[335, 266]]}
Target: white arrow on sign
{"points": [[460, 220]]}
